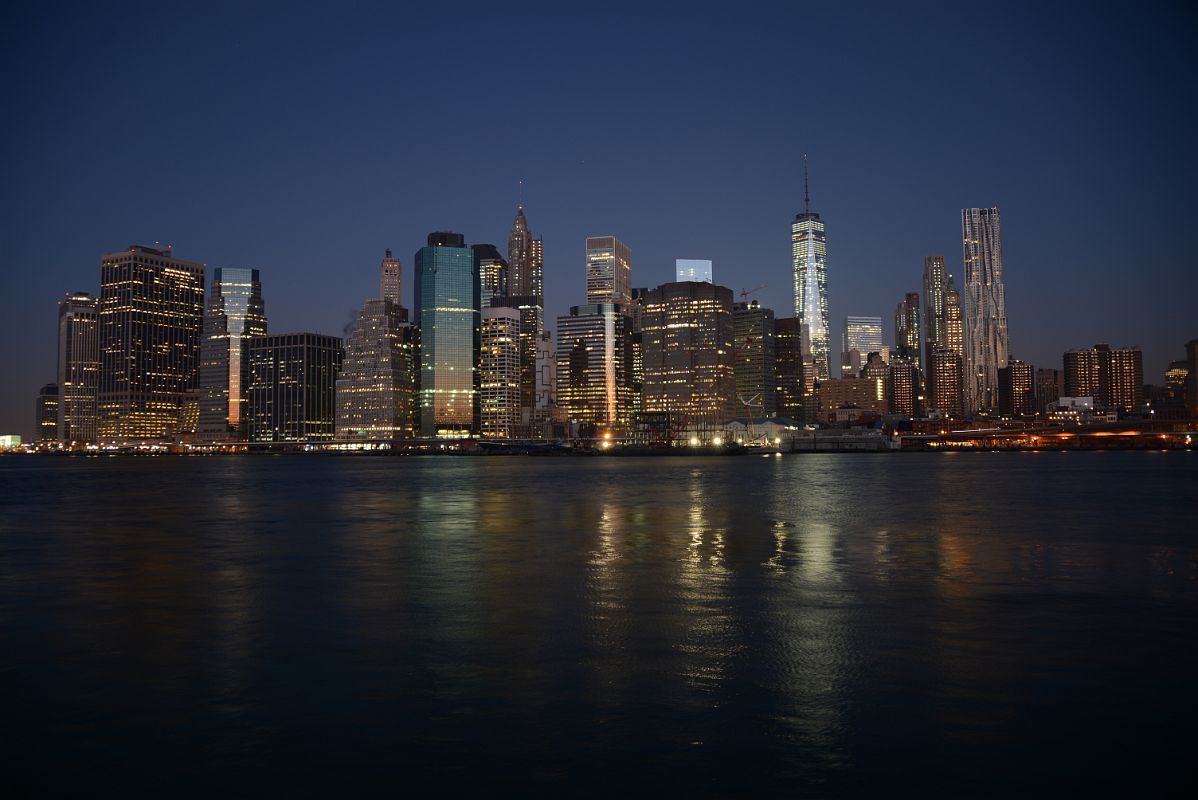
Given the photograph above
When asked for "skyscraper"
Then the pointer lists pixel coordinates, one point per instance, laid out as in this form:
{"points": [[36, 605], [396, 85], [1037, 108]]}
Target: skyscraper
{"points": [[862, 335], [447, 311], [788, 366], [520, 256], [985, 307], [687, 335], [292, 387], [493, 274], [907, 334], [391, 279], [935, 292], [46, 412], [537, 270], [499, 365], [756, 387], [593, 369], [810, 262], [78, 367], [692, 269], [376, 385], [545, 410], [609, 272], [151, 321], [236, 313], [532, 328], [904, 386]]}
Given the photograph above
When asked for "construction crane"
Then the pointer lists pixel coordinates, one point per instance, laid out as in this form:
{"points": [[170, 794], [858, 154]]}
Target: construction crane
{"points": [[744, 293]]}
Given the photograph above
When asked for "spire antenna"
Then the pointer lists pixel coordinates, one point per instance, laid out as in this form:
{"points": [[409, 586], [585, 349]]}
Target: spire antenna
{"points": [[806, 187], [521, 185]]}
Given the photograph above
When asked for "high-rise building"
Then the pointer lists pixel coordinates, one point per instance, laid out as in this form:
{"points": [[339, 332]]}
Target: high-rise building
{"points": [[1113, 377], [499, 365], [687, 330], [609, 272], [1127, 379], [864, 336], [1192, 378], [1049, 387], [954, 325], [376, 385], [1016, 389], [986, 346], [537, 270], [391, 279], [692, 269], [545, 411], [46, 412], [810, 264], [492, 274], [292, 387], [908, 338], [151, 322], [788, 367], [756, 386], [78, 367], [593, 366], [520, 262], [935, 289], [945, 393], [532, 327], [447, 311], [236, 313], [904, 386]]}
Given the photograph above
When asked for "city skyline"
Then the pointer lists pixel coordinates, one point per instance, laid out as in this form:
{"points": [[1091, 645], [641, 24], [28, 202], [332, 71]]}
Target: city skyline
{"points": [[242, 204]]}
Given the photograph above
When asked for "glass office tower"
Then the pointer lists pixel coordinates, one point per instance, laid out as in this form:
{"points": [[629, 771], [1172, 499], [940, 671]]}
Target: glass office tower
{"points": [[236, 313], [810, 262], [448, 294], [609, 272]]}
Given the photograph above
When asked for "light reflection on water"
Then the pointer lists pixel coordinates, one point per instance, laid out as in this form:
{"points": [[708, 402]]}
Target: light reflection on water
{"points": [[712, 624]]}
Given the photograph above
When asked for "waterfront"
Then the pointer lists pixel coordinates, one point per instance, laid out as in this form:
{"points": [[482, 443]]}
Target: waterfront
{"points": [[985, 623]]}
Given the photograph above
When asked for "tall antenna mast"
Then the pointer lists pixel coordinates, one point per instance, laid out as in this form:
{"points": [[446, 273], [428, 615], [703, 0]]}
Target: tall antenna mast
{"points": [[521, 184], [806, 187]]}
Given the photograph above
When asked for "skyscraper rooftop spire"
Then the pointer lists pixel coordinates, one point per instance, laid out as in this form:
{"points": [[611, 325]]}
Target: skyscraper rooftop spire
{"points": [[806, 187]]}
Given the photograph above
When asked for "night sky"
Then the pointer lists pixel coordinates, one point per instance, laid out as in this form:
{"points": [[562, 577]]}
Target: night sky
{"points": [[305, 140]]}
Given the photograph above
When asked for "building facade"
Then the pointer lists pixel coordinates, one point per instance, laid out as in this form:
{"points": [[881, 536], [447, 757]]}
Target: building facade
{"points": [[391, 279], [609, 272], [862, 393], [78, 368], [236, 313], [493, 274], [525, 260], [532, 329], [448, 296], [756, 385], [151, 322], [862, 336], [908, 336], [292, 387], [945, 389], [788, 367], [499, 365], [46, 413], [594, 366], [376, 385], [1050, 385], [905, 396], [1113, 377], [935, 292], [809, 252], [986, 346], [687, 334], [692, 269], [1017, 389]]}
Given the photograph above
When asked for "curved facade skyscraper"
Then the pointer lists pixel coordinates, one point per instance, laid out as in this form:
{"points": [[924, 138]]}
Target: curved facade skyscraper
{"points": [[811, 281], [986, 347]]}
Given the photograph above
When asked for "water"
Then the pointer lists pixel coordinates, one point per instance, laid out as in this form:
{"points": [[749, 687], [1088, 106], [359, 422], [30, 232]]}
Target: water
{"points": [[814, 624]]}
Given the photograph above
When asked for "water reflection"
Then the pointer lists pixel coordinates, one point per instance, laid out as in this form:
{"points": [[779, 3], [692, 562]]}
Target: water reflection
{"points": [[618, 619]]}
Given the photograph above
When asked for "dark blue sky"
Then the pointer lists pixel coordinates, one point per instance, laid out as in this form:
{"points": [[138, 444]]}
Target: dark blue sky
{"points": [[305, 140]]}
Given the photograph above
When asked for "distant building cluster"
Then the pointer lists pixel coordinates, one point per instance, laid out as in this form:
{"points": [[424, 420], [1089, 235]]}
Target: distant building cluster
{"points": [[162, 354]]}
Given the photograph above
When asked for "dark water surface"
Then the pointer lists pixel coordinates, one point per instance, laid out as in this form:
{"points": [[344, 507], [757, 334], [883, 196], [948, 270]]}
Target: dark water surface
{"points": [[800, 625]]}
